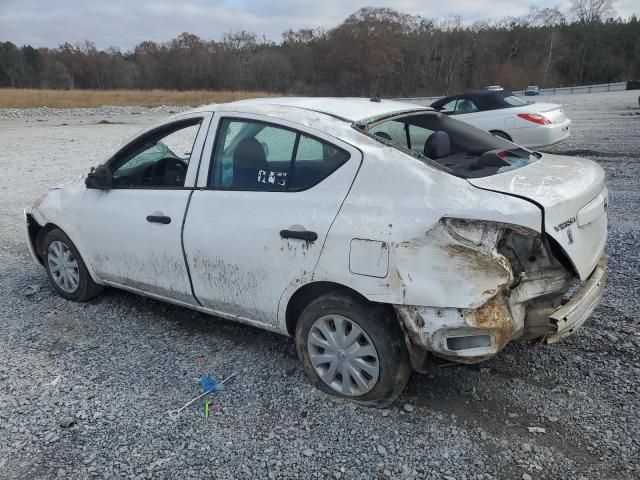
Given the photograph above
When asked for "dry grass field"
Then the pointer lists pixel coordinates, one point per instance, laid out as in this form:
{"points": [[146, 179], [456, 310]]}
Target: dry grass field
{"points": [[30, 98]]}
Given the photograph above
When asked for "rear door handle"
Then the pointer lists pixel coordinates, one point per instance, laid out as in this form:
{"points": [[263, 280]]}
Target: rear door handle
{"points": [[305, 235], [159, 219]]}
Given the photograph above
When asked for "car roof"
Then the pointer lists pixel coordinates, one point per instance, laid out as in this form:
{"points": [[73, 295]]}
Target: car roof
{"points": [[350, 109], [473, 95]]}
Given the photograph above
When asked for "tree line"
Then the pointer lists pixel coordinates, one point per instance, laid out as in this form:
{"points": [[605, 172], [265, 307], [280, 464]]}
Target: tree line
{"points": [[375, 51]]}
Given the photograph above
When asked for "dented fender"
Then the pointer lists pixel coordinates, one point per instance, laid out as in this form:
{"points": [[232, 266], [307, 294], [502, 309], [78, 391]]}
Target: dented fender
{"points": [[60, 207]]}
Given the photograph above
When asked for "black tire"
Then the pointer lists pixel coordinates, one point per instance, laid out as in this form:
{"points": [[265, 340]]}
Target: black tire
{"points": [[86, 288], [500, 134], [382, 328]]}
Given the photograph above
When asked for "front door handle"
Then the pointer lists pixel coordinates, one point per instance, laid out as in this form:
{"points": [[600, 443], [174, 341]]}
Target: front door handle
{"points": [[159, 219], [305, 235]]}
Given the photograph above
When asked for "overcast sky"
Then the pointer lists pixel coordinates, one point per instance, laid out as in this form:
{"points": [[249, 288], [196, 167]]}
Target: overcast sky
{"points": [[125, 23]]}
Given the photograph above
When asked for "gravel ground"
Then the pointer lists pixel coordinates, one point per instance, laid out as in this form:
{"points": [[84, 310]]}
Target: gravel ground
{"points": [[84, 388]]}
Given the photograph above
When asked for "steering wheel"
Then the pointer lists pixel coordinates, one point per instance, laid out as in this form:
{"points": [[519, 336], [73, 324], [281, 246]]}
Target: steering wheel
{"points": [[168, 171]]}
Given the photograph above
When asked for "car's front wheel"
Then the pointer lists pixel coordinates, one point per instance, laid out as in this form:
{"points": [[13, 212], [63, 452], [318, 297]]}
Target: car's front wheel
{"points": [[353, 349], [66, 269]]}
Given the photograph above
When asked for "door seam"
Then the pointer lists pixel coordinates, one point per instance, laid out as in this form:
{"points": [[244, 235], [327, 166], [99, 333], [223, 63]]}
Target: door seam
{"points": [[184, 253]]}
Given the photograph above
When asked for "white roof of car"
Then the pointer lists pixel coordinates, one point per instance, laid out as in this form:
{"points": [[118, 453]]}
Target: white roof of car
{"points": [[349, 109]]}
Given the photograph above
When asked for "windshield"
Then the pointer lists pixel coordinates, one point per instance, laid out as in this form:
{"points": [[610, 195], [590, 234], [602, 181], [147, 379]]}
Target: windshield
{"points": [[463, 150]]}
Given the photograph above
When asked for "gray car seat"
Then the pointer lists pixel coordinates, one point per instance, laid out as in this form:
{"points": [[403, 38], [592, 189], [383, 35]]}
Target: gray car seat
{"points": [[248, 160], [438, 145]]}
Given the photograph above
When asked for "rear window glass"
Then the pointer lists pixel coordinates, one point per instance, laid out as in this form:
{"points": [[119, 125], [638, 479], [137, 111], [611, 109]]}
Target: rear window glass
{"points": [[514, 101], [454, 146]]}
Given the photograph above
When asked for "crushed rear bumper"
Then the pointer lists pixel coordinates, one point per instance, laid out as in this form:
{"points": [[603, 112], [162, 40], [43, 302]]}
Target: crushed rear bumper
{"points": [[578, 309], [474, 335]]}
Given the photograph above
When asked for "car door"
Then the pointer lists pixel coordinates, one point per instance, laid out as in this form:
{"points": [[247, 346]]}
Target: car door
{"points": [[133, 230], [258, 226]]}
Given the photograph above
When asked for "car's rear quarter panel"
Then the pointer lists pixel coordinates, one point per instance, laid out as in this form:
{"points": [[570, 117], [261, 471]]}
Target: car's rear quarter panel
{"points": [[399, 200]]}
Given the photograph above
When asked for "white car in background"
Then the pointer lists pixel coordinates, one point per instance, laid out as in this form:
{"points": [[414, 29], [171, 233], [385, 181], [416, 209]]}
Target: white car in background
{"points": [[373, 232], [530, 124]]}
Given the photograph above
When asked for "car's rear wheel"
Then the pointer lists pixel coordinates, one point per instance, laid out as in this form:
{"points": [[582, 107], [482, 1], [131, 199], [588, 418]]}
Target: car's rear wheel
{"points": [[501, 134], [353, 349], [66, 269]]}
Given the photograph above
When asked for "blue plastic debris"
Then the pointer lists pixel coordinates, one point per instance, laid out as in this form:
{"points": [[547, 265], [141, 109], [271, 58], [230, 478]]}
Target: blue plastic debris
{"points": [[210, 385]]}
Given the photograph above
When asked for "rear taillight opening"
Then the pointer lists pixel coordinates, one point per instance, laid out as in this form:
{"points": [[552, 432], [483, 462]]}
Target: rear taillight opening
{"points": [[535, 118]]}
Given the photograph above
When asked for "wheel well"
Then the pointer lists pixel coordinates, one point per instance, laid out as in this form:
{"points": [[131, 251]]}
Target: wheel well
{"points": [[39, 238], [306, 294], [500, 133]]}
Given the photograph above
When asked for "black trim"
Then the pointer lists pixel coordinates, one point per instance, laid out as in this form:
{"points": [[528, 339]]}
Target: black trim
{"points": [[292, 163], [150, 187], [163, 219], [406, 133], [305, 235], [276, 125]]}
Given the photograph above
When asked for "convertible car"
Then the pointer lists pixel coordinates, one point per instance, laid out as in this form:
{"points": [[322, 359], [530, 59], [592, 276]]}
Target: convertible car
{"points": [[530, 124], [373, 232]]}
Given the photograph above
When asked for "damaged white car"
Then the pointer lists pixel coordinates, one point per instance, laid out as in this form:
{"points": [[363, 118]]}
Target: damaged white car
{"points": [[373, 232]]}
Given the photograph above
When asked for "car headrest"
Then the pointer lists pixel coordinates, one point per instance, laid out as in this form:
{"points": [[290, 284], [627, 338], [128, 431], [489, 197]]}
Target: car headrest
{"points": [[249, 154], [438, 145], [465, 106]]}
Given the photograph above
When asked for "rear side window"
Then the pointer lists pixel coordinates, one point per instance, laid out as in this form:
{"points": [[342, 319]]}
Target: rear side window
{"points": [[514, 101], [459, 148], [449, 107], [253, 155]]}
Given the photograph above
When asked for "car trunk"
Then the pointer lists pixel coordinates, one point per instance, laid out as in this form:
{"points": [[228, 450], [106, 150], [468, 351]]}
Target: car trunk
{"points": [[552, 111], [572, 194]]}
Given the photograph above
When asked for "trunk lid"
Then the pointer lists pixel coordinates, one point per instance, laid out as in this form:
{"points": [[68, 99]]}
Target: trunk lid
{"points": [[572, 194], [552, 111]]}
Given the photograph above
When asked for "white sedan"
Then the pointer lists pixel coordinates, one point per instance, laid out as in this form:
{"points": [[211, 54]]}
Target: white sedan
{"points": [[530, 124], [373, 232]]}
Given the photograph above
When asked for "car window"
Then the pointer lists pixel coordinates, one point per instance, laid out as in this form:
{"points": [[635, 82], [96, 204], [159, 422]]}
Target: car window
{"points": [[253, 155], [514, 101], [449, 107], [418, 136], [465, 105], [394, 131], [459, 148], [314, 160], [159, 160], [404, 134]]}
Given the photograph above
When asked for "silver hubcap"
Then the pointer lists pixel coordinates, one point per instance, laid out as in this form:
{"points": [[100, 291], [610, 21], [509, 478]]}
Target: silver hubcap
{"points": [[63, 266], [343, 355]]}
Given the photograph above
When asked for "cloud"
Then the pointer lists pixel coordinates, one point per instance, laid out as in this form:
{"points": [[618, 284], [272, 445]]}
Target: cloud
{"points": [[125, 23]]}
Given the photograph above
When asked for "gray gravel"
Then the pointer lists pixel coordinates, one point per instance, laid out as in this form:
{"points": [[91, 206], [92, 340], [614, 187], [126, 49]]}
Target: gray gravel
{"points": [[84, 388], [43, 113]]}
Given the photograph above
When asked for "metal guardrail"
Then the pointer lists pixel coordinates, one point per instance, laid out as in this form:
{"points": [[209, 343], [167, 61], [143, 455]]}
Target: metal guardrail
{"points": [[604, 87], [419, 100]]}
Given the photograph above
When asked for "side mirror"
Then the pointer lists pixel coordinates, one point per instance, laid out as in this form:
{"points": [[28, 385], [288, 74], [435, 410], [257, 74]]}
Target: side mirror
{"points": [[99, 177]]}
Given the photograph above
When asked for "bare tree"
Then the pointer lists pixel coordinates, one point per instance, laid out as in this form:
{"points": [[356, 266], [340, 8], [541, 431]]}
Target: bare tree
{"points": [[589, 11], [373, 51]]}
